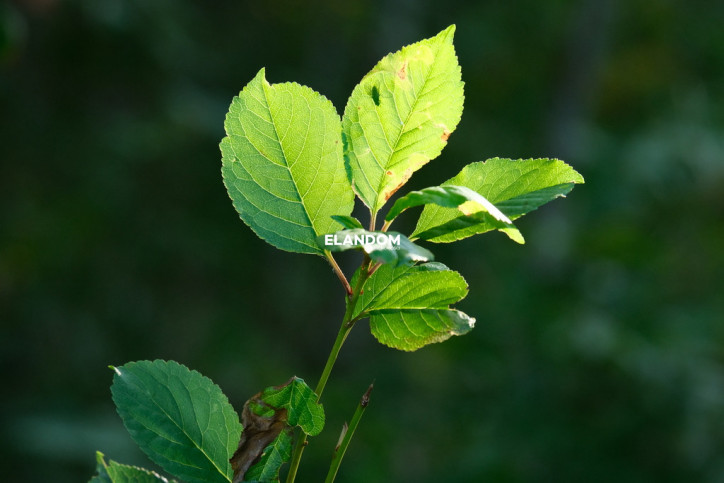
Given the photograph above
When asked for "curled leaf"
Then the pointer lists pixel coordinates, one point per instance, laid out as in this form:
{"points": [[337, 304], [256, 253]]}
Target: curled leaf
{"points": [[268, 418], [460, 197], [383, 247]]}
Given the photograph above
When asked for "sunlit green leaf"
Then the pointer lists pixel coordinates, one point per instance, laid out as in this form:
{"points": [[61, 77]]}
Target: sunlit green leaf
{"points": [[429, 285], [410, 330], [400, 116], [516, 187], [464, 199], [383, 247], [179, 418], [349, 222], [283, 164], [408, 306]]}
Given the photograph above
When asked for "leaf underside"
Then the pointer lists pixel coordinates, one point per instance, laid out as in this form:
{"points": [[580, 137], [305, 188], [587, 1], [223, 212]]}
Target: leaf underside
{"points": [[515, 187], [400, 116], [282, 164], [179, 418]]}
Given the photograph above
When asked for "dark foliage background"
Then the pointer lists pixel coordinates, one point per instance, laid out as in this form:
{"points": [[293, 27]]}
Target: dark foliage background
{"points": [[599, 349]]}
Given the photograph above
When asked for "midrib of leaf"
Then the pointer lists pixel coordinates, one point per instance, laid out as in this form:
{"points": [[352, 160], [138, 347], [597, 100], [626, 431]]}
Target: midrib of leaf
{"points": [[363, 312], [402, 128], [286, 159], [188, 436]]}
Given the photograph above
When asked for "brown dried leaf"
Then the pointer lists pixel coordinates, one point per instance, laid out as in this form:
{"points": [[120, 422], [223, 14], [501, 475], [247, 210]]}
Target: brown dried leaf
{"points": [[259, 432]]}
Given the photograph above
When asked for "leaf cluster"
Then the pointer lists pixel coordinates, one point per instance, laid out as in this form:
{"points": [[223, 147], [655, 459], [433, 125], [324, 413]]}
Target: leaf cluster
{"points": [[293, 169]]}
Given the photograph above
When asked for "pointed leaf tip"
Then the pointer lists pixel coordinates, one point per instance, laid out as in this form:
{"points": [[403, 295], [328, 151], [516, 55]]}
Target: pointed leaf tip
{"points": [[179, 418], [285, 187], [400, 115]]}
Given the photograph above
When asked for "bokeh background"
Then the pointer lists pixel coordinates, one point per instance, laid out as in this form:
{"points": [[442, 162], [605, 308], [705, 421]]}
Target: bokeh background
{"points": [[599, 349]]}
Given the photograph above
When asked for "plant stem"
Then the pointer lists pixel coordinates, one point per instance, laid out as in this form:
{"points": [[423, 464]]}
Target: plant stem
{"points": [[348, 432], [344, 329]]}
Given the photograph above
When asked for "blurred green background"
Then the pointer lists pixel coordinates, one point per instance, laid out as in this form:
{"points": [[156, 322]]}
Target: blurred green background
{"points": [[599, 349]]}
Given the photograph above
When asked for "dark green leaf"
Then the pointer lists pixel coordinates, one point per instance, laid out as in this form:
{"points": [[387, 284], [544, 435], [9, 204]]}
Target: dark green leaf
{"points": [[383, 247], [179, 418], [272, 459], [113, 472]]}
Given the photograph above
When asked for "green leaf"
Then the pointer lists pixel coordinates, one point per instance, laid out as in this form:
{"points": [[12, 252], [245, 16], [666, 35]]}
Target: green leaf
{"points": [[179, 418], [113, 472], [272, 459], [299, 401], [383, 247], [409, 330], [429, 285], [408, 306], [516, 187], [349, 222], [464, 199], [400, 116], [282, 164]]}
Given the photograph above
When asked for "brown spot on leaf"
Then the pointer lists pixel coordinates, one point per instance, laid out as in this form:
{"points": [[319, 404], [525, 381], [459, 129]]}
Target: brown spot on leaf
{"points": [[402, 73], [389, 173], [394, 190], [445, 135]]}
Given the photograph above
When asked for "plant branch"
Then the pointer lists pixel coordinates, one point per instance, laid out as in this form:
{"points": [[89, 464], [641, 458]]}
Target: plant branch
{"points": [[347, 434], [344, 329]]}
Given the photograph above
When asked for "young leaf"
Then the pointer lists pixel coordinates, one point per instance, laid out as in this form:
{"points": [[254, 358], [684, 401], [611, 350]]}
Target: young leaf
{"points": [[113, 472], [272, 459], [516, 187], [179, 418], [349, 222], [408, 306], [460, 197], [383, 247], [400, 116], [283, 165]]}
